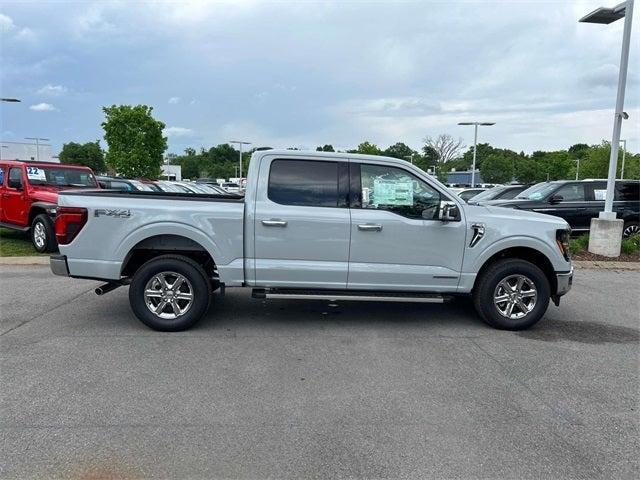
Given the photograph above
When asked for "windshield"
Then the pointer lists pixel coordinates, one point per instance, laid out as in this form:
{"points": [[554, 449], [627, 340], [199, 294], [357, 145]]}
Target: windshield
{"points": [[538, 191], [60, 177], [141, 186], [487, 194]]}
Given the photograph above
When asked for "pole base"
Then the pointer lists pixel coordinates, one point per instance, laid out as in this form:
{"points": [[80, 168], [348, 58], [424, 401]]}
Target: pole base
{"points": [[605, 236]]}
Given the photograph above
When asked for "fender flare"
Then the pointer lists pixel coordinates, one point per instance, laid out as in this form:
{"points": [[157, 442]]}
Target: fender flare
{"points": [[518, 241]]}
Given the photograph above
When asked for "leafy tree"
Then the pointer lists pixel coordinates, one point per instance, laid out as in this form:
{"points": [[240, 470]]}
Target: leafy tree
{"points": [[190, 152], [401, 151], [526, 170], [553, 165], [368, 148], [497, 168], [579, 150], [89, 154], [484, 150], [325, 148], [135, 140]]}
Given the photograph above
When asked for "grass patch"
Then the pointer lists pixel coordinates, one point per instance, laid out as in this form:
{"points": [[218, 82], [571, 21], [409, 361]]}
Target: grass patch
{"points": [[631, 244], [578, 244], [15, 244]]}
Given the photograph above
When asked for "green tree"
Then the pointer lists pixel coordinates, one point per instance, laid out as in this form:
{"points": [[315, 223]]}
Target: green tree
{"points": [[368, 148], [325, 148], [135, 140], [497, 168], [526, 170], [401, 151], [89, 154]]}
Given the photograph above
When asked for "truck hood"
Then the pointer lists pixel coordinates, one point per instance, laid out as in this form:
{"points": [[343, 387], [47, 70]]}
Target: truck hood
{"points": [[512, 203], [517, 219]]}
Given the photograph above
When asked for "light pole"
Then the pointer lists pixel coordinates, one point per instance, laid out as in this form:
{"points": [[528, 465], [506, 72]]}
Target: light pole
{"points": [[410, 158], [606, 230], [577, 167], [10, 100], [624, 152], [240, 143], [475, 146], [37, 139]]}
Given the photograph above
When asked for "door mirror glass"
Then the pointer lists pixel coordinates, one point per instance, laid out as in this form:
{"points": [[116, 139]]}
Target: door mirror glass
{"points": [[556, 198], [449, 212]]}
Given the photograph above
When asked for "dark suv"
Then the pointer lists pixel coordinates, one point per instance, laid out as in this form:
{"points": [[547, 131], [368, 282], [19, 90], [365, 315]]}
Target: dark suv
{"points": [[580, 201]]}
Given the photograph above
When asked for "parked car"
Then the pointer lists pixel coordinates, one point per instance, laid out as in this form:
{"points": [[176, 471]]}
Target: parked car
{"points": [[29, 196], [231, 187], [467, 194], [501, 192], [579, 201], [315, 225], [117, 183], [208, 181]]}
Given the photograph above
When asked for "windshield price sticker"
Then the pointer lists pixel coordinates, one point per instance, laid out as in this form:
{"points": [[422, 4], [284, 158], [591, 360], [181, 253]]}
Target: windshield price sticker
{"points": [[389, 192], [35, 173]]}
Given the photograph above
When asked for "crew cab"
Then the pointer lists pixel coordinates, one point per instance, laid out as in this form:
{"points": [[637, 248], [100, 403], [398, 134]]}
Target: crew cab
{"points": [[29, 196], [579, 201], [316, 225]]}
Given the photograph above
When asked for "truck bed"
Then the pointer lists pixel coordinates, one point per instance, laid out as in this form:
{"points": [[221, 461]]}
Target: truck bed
{"points": [[119, 224]]}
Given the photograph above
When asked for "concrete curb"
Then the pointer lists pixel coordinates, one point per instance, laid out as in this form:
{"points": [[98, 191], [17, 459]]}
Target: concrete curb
{"points": [[32, 260], [605, 265]]}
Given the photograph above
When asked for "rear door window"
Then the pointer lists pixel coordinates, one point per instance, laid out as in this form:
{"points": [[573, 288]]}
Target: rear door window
{"points": [[304, 183], [573, 192], [15, 178], [627, 191]]}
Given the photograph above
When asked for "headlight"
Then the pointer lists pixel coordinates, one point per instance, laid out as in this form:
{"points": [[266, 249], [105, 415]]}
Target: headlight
{"points": [[562, 239]]}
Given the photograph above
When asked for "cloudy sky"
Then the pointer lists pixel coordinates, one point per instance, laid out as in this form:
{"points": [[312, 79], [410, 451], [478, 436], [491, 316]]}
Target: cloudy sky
{"points": [[301, 74]]}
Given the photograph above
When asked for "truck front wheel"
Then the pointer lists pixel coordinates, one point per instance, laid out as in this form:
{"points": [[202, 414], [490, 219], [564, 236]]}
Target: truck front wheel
{"points": [[512, 294], [43, 236], [170, 293]]}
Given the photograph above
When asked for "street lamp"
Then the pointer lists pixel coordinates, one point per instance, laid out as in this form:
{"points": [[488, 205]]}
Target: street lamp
{"points": [[606, 230], [37, 139], [10, 100], [410, 158], [475, 146], [240, 143]]}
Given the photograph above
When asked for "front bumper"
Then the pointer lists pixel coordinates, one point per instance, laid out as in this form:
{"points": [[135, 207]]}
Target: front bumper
{"points": [[58, 264], [564, 281]]}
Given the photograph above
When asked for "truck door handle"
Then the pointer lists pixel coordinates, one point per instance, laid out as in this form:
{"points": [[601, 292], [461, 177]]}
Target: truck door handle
{"points": [[370, 227], [274, 223]]}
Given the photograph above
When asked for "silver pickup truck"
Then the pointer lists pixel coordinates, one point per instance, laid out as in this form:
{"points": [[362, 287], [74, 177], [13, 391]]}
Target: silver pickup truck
{"points": [[315, 226]]}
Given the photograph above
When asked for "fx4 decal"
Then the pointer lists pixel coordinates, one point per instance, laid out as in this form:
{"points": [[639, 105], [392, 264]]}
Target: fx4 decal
{"points": [[115, 212]]}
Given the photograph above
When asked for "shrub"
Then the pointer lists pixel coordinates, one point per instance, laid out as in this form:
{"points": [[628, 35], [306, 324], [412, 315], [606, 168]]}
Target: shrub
{"points": [[579, 244], [631, 244]]}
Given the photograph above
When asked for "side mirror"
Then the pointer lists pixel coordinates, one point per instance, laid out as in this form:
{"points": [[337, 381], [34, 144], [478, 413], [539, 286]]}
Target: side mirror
{"points": [[556, 199], [449, 213]]}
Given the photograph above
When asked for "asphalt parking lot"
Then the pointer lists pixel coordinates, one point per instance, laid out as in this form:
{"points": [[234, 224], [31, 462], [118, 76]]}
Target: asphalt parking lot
{"points": [[293, 389]]}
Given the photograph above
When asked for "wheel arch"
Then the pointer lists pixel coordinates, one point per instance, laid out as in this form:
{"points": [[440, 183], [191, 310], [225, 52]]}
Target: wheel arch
{"points": [[529, 254]]}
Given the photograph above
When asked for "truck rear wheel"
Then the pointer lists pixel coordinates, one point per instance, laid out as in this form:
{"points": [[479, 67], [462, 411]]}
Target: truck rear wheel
{"points": [[170, 293], [512, 294], [43, 235]]}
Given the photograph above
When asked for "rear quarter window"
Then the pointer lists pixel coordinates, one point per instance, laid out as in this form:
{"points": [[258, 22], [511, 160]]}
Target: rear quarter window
{"points": [[627, 191]]}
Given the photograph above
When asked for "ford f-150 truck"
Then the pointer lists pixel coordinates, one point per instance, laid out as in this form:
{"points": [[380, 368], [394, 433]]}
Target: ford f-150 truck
{"points": [[315, 226], [29, 195]]}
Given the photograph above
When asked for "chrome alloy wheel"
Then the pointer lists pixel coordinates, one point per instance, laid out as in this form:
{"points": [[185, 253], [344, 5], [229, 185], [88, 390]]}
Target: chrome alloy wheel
{"points": [[39, 235], [515, 296], [168, 295], [631, 230]]}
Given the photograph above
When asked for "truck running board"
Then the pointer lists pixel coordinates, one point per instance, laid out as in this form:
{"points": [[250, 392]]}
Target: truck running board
{"points": [[349, 295]]}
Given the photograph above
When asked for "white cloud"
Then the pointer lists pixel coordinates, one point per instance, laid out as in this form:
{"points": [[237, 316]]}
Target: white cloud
{"points": [[42, 107], [173, 132], [9, 28], [174, 100], [53, 90]]}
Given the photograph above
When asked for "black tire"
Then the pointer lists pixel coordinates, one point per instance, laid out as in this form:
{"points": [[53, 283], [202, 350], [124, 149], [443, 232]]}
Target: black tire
{"points": [[43, 235], [197, 282], [487, 288], [630, 228]]}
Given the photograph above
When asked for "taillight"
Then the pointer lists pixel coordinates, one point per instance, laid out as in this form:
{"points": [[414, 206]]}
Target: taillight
{"points": [[69, 222]]}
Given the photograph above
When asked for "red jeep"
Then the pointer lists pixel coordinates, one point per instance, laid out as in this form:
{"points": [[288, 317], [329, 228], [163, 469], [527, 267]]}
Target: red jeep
{"points": [[29, 196]]}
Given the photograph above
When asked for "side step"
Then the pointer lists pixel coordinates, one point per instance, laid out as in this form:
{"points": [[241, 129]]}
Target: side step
{"points": [[349, 295]]}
